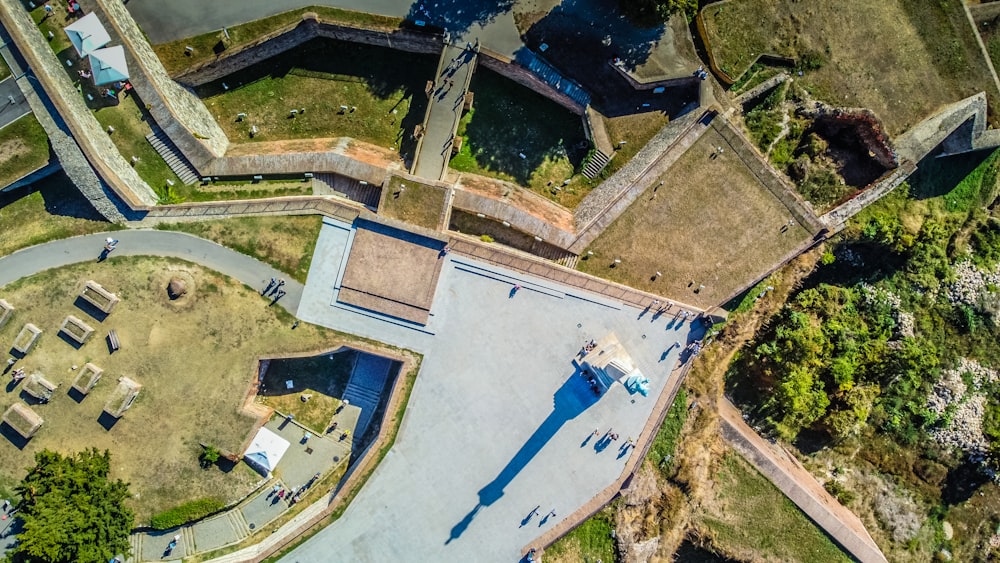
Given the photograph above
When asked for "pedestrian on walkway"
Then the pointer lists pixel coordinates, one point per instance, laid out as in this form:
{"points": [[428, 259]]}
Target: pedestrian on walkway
{"points": [[552, 514]]}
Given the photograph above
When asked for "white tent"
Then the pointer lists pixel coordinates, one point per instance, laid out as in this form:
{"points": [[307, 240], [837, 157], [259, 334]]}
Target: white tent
{"points": [[265, 451], [87, 34], [108, 65]]}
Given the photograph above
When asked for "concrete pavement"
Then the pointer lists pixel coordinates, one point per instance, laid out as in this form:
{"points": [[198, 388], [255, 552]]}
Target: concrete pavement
{"points": [[64, 252], [498, 421]]}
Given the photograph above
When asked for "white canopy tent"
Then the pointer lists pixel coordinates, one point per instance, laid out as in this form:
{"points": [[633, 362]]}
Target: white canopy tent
{"points": [[108, 65], [87, 34], [265, 451]]}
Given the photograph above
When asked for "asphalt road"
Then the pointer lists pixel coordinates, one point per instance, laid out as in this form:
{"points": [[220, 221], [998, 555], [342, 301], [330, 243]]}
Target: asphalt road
{"points": [[9, 112], [64, 252]]}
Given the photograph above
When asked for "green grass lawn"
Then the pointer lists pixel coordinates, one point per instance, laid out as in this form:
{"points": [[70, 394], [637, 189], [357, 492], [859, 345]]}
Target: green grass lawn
{"points": [[51, 209], [750, 519], [661, 452], [131, 123], [225, 190], [4, 69], [589, 542], [206, 46], [324, 377], [508, 120], [929, 56], [417, 203], [320, 77], [636, 130], [24, 147], [286, 243]]}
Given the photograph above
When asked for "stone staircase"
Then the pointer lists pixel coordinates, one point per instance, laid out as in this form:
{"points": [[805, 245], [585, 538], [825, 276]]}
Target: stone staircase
{"points": [[238, 523], [172, 156], [135, 542], [355, 190], [551, 76], [365, 387], [596, 164], [556, 254]]}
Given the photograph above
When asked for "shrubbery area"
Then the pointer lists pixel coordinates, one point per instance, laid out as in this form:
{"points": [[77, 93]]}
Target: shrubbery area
{"points": [[187, 512], [892, 343]]}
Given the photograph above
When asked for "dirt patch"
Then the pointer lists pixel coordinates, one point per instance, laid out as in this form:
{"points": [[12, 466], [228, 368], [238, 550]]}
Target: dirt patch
{"points": [[159, 282]]}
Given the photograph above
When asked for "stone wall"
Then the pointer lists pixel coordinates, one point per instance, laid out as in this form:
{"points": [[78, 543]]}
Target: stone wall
{"points": [[176, 110], [524, 77], [289, 37], [500, 210], [295, 163], [101, 153]]}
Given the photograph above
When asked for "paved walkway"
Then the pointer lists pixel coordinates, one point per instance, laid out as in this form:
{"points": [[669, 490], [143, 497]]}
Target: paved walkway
{"points": [[799, 486], [64, 252], [444, 111]]}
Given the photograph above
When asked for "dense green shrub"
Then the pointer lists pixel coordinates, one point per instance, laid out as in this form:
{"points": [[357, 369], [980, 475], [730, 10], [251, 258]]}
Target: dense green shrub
{"points": [[187, 512]]}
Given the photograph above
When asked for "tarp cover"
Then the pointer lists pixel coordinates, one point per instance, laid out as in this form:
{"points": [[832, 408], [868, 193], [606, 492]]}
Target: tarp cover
{"points": [[265, 450], [108, 65], [87, 34]]}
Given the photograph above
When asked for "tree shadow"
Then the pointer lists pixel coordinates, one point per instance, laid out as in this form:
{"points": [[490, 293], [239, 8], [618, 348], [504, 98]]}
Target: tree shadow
{"points": [[514, 130], [582, 38], [570, 400], [457, 16], [963, 481]]}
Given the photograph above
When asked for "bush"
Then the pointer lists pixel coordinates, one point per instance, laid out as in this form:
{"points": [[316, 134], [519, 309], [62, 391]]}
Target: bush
{"points": [[187, 512], [209, 456], [486, 238]]}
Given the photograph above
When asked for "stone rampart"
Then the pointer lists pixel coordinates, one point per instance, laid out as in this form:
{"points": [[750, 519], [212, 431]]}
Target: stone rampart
{"points": [[101, 153], [177, 111]]}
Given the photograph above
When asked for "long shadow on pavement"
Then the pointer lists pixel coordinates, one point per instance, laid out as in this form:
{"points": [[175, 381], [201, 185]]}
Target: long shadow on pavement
{"points": [[569, 401]]}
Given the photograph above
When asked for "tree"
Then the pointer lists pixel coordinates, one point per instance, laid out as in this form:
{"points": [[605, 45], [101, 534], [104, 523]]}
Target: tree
{"points": [[654, 12], [72, 513]]}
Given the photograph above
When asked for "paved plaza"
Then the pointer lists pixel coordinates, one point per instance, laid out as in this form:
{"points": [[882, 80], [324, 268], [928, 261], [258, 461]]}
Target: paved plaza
{"points": [[498, 423]]}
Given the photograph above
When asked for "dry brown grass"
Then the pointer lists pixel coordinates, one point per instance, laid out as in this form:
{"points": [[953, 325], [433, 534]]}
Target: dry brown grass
{"points": [[195, 358], [285, 242], [901, 59], [419, 204], [711, 223]]}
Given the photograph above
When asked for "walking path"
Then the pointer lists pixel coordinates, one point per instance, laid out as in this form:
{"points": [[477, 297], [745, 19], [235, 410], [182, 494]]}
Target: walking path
{"points": [[447, 95], [13, 106], [799, 486], [64, 252]]}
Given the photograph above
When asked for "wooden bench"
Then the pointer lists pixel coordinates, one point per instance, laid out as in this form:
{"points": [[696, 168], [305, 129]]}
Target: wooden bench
{"points": [[113, 341]]}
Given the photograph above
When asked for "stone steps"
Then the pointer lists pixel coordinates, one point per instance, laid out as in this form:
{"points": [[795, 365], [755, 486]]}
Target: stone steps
{"points": [[238, 523], [552, 77], [172, 156], [355, 190], [596, 164]]}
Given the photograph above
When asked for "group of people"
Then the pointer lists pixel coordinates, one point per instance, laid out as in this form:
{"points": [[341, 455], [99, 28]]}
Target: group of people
{"points": [[18, 375]]}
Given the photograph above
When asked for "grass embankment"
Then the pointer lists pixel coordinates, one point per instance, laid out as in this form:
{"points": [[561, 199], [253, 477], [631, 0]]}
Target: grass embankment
{"points": [[209, 46], [4, 69], [589, 542], [52, 209], [930, 58], [636, 130], [711, 223], [285, 243], [508, 120], [750, 519], [661, 452], [219, 328], [24, 147], [415, 203], [385, 101]]}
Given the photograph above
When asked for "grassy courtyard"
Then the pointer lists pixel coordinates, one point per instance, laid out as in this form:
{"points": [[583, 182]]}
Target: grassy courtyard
{"points": [[508, 120], [195, 357], [323, 378], [385, 101], [711, 223], [746, 517], [284, 242], [207, 45], [24, 147], [926, 54], [413, 202]]}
